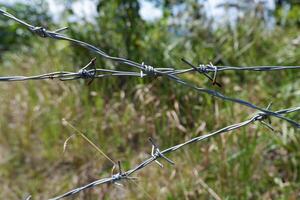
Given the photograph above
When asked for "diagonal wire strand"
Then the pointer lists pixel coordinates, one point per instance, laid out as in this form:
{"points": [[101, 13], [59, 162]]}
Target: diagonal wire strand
{"points": [[146, 70], [149, 70], [154, 157]]}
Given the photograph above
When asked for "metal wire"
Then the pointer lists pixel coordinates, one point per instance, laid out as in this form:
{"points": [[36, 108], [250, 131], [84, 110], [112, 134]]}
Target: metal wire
{"points": [[148, 70], [102, 72], [157, 154], [83, 73]]}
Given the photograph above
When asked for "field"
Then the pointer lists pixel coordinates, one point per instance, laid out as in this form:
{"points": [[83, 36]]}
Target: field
{"points": [[119, 115]]}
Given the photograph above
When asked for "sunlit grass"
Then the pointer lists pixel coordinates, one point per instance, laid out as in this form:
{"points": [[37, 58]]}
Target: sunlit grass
{"points": [[120, 114]]}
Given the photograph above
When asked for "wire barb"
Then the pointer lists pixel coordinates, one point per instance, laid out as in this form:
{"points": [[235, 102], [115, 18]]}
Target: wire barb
{"points": [[203, 69], [156, 153], [61, 29], [28, 197], [40, 31], [147, 70], [171, 74], [85, 74], [118, 176], [264, 117]]}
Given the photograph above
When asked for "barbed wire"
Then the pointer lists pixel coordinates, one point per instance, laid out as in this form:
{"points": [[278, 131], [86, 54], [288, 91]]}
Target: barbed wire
{"points": [[156, 153], [83, 73], [146, 70]]}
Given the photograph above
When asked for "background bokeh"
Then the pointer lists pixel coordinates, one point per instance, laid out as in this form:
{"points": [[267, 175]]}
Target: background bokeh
{"points": [[119, 114]]}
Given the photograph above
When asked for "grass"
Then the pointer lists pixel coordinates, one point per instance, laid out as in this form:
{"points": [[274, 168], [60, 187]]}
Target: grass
{"points": [[250, 163]]}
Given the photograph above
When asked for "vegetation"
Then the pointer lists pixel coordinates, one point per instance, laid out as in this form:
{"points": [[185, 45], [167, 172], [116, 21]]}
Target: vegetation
{"points": [[119, 114]]}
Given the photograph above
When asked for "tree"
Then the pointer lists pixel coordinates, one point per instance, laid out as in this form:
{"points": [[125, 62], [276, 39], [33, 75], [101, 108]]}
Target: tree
{"points": [[13, 36]]}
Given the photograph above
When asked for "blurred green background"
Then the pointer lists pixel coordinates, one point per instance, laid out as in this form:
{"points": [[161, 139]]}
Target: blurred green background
{"points": [[119, 114]]}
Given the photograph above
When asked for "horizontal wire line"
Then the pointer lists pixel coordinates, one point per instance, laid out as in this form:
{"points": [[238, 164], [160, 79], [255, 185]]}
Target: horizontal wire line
{"points": [[109, 72], [149, 70]]}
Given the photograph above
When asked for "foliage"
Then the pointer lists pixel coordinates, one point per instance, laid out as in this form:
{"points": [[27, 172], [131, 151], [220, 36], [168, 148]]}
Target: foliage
{"points": [[119, 115], [11, 35]]}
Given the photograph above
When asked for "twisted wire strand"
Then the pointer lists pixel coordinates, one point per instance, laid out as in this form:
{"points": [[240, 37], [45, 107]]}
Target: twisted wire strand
{"points": [[66, 76], [83, 73], [170, 74], [157, 154], [208, 69]]}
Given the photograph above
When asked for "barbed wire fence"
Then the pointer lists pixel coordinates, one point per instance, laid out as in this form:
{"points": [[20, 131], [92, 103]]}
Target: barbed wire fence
{"points": [[156, 153], [91, 72], [148, 70]]}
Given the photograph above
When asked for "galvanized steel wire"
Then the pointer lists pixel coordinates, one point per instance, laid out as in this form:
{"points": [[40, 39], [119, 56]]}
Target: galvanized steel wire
{"points": [[145, 70], [90, 71], [156, 153], [83, 73]]}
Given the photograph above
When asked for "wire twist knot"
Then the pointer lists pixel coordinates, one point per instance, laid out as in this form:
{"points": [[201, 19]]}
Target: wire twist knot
{"points": [[203, 68], [86, 74], [156, 153], [148, 70], [261, 116], [40, 31], [118, 176]]}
